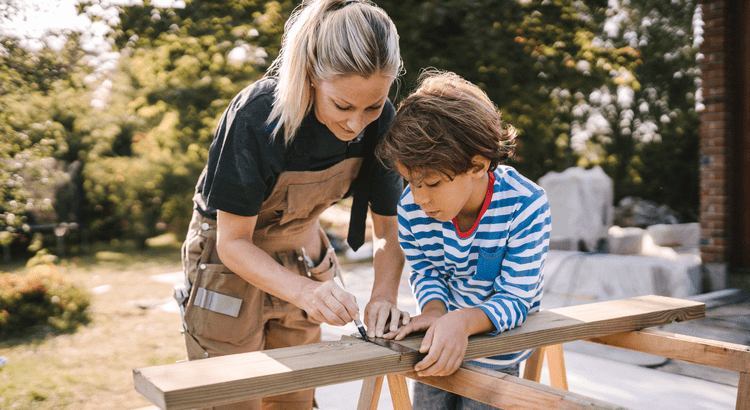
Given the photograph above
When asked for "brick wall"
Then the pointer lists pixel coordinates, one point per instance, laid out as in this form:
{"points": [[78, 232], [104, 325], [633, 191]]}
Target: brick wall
{"points": [[715, 134], [724, 145]]}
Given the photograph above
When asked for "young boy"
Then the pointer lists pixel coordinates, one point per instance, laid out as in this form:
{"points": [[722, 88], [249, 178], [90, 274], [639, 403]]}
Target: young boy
{"points": [[476, 234]]}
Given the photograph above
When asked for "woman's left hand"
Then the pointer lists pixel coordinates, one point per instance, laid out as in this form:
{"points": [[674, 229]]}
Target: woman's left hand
{"points": [[383, 316]]}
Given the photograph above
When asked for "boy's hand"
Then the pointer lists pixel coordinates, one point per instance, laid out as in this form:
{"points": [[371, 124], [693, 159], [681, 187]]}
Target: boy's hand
{"points": [[418, 323], [445, 344], [431, 311]]}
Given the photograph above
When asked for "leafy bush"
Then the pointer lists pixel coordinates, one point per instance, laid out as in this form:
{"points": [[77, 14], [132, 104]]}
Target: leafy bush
{"points": [[123, 198], [42, 96], [40, 297]]}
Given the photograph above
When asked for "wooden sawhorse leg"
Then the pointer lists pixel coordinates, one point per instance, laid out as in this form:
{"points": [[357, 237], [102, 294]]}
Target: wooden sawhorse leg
{"points": [[371, 388], [555, 365], [743, 392], [370, 394]]}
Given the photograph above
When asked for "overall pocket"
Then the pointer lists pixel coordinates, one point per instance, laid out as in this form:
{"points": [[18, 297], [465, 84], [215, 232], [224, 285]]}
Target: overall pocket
{"points": [[329, 264], [326, 269], [223, 306]]}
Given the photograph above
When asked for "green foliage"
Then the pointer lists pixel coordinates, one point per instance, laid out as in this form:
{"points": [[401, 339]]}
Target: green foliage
{"points": [[125, 197], [184, 66], [520, 54], [664, 168], [141, 146], [562, 72], [40, 297], [586, 82], [39, 92]]}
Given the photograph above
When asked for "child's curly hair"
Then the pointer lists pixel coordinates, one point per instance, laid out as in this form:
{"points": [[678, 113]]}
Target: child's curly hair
{"points": [[443, 125]]}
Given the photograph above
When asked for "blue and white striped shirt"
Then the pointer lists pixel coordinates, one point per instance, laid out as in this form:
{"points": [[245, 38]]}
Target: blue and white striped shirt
{"points": [[496, 267]]}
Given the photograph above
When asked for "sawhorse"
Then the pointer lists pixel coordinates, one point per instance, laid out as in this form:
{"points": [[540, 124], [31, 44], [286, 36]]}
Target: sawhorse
{"points": [[527, 393], [371, 388]]}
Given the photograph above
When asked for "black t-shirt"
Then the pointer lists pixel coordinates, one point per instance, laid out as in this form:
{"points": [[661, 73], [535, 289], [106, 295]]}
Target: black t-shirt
{"points": [[244, 162]]}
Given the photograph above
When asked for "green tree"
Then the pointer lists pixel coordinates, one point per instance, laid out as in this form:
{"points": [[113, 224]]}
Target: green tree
{"points": [[586, 82], [39, 91], [184, 66], [532, 58], [652, 144]]}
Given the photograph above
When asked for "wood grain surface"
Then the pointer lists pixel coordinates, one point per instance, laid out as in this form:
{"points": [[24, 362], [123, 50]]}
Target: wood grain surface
{"points": [[244, 376]]}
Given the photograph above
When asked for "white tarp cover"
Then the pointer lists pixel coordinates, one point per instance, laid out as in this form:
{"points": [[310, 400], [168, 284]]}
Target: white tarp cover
{"points": [[581, 204], [574, 278]]}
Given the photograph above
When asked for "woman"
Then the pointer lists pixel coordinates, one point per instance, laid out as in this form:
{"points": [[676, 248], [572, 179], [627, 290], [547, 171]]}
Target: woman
{"points": [[286, 148]]}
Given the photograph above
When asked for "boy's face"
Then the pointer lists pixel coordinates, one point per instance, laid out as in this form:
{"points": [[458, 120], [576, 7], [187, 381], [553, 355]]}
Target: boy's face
{"points": [[442, 197]]}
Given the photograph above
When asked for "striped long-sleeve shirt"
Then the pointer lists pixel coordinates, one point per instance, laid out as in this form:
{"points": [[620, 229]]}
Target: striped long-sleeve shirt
{"points": [[496, 267]]}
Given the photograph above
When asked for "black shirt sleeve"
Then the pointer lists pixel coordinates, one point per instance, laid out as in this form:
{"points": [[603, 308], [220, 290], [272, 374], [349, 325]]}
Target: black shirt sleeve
{"points": [[242, 164]]}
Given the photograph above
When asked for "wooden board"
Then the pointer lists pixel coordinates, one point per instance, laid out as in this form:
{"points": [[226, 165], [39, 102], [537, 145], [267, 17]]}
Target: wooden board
{"points": [[509, 392], [717, 354], [259, 374], [713, 353]]}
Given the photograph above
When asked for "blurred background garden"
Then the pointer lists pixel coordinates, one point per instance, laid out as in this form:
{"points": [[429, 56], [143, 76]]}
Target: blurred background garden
{"points": [[108, 107]]}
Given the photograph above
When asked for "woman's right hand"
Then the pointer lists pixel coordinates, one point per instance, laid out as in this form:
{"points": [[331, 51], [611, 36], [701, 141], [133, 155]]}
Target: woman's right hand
{"points": [[328, 303], [324, 302]]}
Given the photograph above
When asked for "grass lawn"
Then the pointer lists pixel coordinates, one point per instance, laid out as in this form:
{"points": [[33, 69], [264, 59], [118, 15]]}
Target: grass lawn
{"points": [[92, 368]]}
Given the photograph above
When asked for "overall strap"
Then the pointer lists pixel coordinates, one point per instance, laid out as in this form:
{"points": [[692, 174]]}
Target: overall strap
{"points": [[356, 235]]}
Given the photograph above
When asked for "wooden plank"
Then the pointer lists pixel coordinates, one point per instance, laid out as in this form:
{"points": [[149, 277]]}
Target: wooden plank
{"points": [[561, 325], [259, 374], [714, 353], [509, 392]]}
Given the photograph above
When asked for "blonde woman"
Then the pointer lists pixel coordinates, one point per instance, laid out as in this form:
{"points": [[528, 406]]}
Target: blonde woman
{"points": [[258, 266]]}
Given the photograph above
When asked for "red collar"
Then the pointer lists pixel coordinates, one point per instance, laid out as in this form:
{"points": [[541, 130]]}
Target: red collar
{"points": [[485, 205]]}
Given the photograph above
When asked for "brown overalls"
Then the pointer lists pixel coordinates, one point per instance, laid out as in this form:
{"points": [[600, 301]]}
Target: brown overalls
{"points": [[225, 314]]}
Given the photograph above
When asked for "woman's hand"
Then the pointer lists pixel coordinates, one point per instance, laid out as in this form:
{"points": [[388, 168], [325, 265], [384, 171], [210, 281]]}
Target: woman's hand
{"points": [[326, 302], [382, 314]]}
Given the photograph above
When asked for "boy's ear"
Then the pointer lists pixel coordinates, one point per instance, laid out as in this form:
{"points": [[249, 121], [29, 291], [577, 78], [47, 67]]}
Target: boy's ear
{"points": [[479, 165]]}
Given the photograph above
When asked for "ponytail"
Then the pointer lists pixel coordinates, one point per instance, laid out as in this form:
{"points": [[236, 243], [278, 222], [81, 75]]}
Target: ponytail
{"points": [[328, 38]]}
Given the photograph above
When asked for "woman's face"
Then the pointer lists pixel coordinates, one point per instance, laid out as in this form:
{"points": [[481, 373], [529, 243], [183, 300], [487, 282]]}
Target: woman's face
{"points": [[347, 104]]}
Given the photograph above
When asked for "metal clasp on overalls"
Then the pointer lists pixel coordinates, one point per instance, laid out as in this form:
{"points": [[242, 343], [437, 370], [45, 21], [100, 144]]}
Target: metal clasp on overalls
{"points": [[309, 265], [307, 262], [181, 293]]}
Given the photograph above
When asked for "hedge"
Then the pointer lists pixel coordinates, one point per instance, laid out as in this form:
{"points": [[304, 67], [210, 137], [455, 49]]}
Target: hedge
{"points": [[41, 296]]}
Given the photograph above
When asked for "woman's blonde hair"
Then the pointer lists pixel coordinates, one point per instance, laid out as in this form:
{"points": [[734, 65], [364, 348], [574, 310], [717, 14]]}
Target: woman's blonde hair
{"points": [[328, 38], [443, 125]]}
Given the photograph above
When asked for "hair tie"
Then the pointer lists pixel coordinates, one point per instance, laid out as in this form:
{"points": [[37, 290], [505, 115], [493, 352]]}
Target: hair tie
{"points": [[348, 2]]}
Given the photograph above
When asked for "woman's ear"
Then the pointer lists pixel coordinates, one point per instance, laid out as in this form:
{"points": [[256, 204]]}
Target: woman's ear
{"points": [[479, 166]]}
